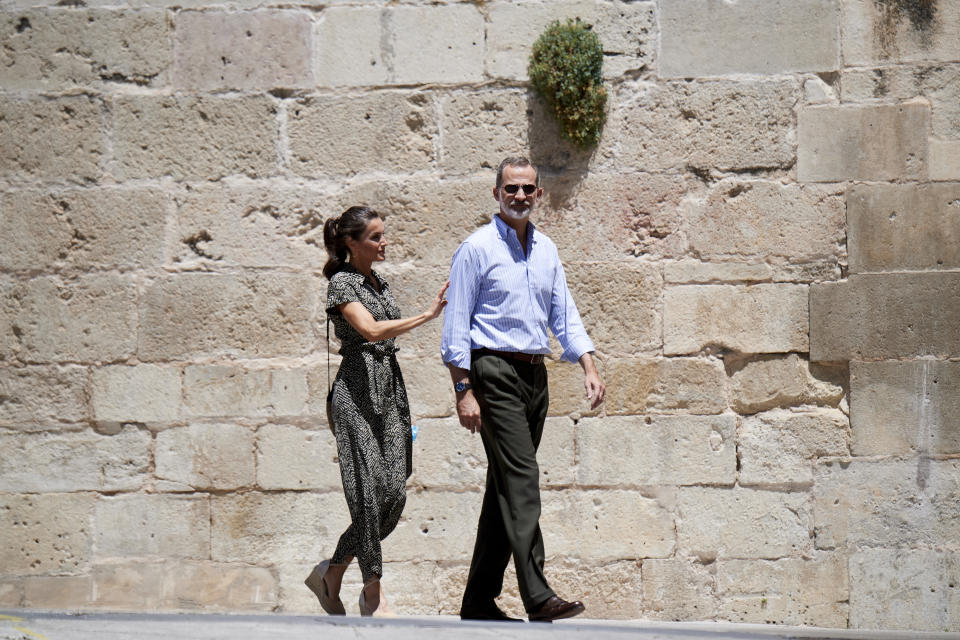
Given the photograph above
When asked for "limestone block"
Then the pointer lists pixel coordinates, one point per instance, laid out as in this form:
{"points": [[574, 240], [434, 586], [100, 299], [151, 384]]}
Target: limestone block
{"points": [[605, 526], [904, 227], [54, 48], [447, 456], [885, 316], [144, 393], [359, 30], [57, 592], [11, 593], [610, 590], [454, 51], [217, 586], [672, 450], [414, 288], [777, 448], [429, 389], [742, 523], [791, 591], [556, 456], [944, 159], [697, 272], [899, 407], [45, 534], [451, 579], [207, 456], [816, 91], [152, 525], [820, 271], [193, 315], [892, 503], [568, 396], [274, 528], [49, 462], [377, 141], [194, 137], [225, 390], [678, 589], [912, 590], [610, 297], [842, 142], [12, 294], [754, 36], [134, 586], [627, 31], [318, 382], [249, 50], [760, 220], [52, 138], [435, 526], [42, 397], [723, 125], [671, 385], [410, 587], [770, 382], [261, 224], [900, 32], [293, 458], [764, 318]]}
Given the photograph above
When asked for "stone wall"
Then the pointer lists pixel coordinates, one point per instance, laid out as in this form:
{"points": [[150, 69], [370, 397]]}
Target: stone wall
{"points": [[763, 246]]}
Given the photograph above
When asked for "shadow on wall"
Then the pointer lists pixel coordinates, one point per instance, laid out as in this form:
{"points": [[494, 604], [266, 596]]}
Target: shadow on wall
{"points": [[561, 163], [921, 13]]}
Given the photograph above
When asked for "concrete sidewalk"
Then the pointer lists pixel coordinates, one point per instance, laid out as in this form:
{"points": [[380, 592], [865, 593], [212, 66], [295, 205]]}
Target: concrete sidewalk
{"points": [[44, 625]]}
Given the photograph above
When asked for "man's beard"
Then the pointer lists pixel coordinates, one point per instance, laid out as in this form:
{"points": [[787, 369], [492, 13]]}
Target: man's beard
{"points": [[521, 213]]}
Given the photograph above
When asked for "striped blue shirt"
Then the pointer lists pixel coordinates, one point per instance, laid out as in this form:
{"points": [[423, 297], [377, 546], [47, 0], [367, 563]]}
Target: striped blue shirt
{"points": [[501, 299]]}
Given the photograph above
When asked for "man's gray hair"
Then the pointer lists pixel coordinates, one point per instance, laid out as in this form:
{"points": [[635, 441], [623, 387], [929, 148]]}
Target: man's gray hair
{"points": [[515, 162]]}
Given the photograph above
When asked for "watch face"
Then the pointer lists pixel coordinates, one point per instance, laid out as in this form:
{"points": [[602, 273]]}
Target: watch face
{"points": [[461, 386]]}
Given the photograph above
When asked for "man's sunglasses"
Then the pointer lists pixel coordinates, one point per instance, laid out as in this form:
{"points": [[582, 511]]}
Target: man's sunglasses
{"points": [[513, 188]]}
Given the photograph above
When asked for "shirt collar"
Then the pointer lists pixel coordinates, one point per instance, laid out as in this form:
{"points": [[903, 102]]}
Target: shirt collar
{"points": [[506, 231]]}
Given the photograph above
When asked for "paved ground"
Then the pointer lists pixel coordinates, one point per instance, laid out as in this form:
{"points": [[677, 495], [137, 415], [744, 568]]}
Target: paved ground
{"points": [[41, 625]]}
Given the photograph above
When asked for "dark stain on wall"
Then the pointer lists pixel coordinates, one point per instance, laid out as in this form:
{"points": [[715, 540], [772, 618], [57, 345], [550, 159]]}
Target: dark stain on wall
{"points": [[922, 15]]}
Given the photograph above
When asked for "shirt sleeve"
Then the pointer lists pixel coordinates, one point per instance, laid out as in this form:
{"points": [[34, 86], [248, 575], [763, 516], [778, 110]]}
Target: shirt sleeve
{"points": [[461, 299], [339, 291], [565, 320]]}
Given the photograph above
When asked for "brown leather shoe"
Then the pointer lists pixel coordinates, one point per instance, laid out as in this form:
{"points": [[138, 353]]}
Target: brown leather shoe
{"points": [[556, 609]]}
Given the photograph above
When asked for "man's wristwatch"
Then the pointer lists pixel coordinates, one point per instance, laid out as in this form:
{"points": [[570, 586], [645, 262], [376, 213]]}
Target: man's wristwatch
{"points": [[461, 386]]}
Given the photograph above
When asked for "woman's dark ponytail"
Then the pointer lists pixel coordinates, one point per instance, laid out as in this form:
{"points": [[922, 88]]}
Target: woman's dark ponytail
{"points": [[350, 224]]}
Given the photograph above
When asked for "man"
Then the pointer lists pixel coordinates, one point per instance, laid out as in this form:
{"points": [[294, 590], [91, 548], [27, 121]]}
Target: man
{"points": [[507, 287]]}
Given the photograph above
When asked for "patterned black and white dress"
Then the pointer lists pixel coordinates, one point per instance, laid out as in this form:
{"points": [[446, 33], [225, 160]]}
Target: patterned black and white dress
{"points": [[371, 416]]}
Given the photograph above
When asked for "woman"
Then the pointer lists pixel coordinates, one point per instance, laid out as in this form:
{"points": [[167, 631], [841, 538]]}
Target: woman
{"points": [[371, 415]]}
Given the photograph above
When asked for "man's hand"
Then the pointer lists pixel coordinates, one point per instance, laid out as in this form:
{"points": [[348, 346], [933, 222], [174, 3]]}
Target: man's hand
{"points": [[591, 381], [468, 409]]}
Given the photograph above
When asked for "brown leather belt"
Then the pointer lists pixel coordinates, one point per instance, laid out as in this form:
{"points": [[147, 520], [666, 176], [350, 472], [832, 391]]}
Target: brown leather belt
{"points": [[532, 358]]}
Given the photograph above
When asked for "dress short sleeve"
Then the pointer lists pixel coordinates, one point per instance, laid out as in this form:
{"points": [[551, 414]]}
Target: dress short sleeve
{"points": [[339, 291]]}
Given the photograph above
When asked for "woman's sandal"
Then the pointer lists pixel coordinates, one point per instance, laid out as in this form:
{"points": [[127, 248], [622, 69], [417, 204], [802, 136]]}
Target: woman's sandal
{"points": [[318, 585], [382, 609]]}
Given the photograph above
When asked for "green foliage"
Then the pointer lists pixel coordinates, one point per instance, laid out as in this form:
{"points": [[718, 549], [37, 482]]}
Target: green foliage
{"points": [[565, 69]]}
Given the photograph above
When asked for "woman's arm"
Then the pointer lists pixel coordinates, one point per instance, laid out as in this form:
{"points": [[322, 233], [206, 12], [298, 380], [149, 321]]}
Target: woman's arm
{"points": [[376, 330]]}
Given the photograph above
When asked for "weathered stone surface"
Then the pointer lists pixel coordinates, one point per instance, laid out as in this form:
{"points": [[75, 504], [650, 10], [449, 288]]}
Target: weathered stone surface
{"points": [[678, 589], [627, 31], [610, 297], [131, 586], [56, 48], [556, 455], [57, 592], [248, 50], [816, 91], [49, 462], [924, 582], [207, 456], [892, 503], [877, 142], [292, 458], [410, 587], [723, 125], [668, 450], [435, 526], [568, 397], [777, 448], [945, 159], [52, 138], [42, 397], [143, 393], [191, 315], [226, 587], [590, 525], [753, 36], [273, 528], [377, 141], [901, 31], [45, 534], [792, 591], [904, 227], [765, 318], [414, 288], [11, 593], [89, 228], [904, 407], [672, 385], [610, 590], [697, 272], [447, 456], [760, 220], [158, 525], [429, 389], [223, 390], [885, 316], [359, 30], [742, 523], [196, 138], [453, 52], [772, 381]]}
